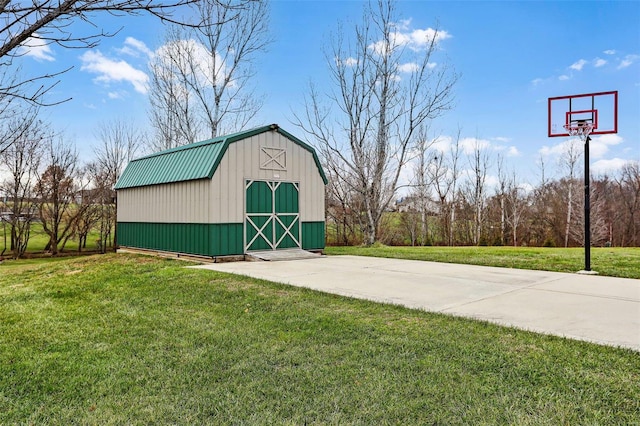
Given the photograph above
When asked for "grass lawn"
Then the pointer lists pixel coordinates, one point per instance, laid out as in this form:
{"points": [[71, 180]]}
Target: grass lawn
{"points": [[38, 240], [124, 339], [614, 262]]}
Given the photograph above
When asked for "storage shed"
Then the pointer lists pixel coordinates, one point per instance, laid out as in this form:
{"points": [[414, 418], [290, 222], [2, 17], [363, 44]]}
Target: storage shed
{"points": [[261, 189]]}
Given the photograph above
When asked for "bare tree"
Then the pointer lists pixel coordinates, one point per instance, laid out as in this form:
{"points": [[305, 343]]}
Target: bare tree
{"points": [[444, 172], [88, 208], [227, 99], [384, 91], [569, 160], [21, 159], [502, 195], [628, 186], [598, 229], [172, 113], [343, 204], [515, 203], [46, 22], [411, 223], [119, 142], [57, 188], [476, 188], [541, 208], [201, 77], [422, 182]]}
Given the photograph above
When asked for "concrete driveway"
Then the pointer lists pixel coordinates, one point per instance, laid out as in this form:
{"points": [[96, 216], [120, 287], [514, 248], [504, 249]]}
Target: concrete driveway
{"points": [[599, 309]]}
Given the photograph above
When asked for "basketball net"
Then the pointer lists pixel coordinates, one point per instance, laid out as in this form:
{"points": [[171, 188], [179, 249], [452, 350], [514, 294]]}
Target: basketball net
{"points": [[581, 129]]}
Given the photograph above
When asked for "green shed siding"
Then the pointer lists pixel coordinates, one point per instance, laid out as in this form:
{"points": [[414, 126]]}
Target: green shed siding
{"points": [[313, 237], [190, 238]]}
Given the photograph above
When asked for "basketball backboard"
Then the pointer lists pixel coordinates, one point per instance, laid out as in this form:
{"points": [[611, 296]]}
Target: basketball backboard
{"points": [[598, 109]]}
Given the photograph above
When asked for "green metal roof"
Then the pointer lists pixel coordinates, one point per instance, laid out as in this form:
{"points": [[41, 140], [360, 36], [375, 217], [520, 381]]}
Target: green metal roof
{"points": [[194, 161]]}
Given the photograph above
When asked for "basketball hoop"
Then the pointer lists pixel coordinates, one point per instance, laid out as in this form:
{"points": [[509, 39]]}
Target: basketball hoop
{"points": [[580, 128], [584, 115]]}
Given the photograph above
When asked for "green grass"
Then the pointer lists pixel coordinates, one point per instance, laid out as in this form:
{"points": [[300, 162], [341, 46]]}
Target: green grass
{"points": [[38, 240], [123, 339], [615, 262]]}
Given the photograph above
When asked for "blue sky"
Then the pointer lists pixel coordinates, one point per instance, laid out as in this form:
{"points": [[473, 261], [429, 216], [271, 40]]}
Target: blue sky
{"points": [[512, 56]]}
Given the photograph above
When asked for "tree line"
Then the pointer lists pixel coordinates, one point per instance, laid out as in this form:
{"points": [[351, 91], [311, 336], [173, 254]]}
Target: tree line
{"points": [[46, 183], [444, 206]]}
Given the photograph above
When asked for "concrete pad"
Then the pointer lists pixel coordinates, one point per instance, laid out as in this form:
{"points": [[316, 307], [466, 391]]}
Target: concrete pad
{"points": [[286, 254], [604, 310]]}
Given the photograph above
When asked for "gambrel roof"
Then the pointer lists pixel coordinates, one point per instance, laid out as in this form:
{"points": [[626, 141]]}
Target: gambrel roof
{"points": [[194, 161]]}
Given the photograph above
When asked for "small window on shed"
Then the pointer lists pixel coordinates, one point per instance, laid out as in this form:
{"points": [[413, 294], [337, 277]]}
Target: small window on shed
{"points": [[273, 158]]}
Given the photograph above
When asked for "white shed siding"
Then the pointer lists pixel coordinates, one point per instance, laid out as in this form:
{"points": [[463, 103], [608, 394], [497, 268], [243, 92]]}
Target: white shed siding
{"points": [[221, 199], [182, 202], [242, 162]]}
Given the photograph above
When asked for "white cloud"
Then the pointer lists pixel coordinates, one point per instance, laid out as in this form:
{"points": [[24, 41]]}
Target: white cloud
{"points": [[556, 150], [492, 181], [502, 139], [109, 70], [598, 147], [513, 151], [116, 95], [469, 145], [608, 139], [628, 60], [408, 67], [442, 143], [351, 62], [598, 62], [510, 151], [601, 167], [537, 81], [578, 65], [600, 144], [135, 48], [37, 48], [404, 24], [609, 52], [413, 39], [564, 77], [348, 62], [432, 65], [203, 68], [422, 38]]}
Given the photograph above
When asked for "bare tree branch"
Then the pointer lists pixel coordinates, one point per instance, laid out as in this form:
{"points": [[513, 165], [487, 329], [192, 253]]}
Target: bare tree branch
{"points": [[50, 22], [384, 92], [201, 78]]}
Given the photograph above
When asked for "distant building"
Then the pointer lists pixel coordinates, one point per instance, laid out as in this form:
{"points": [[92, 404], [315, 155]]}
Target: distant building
{"points": [[413, 204]]}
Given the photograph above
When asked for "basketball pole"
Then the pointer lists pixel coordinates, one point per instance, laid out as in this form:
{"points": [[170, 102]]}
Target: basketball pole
{"points": [[587, 208]]}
